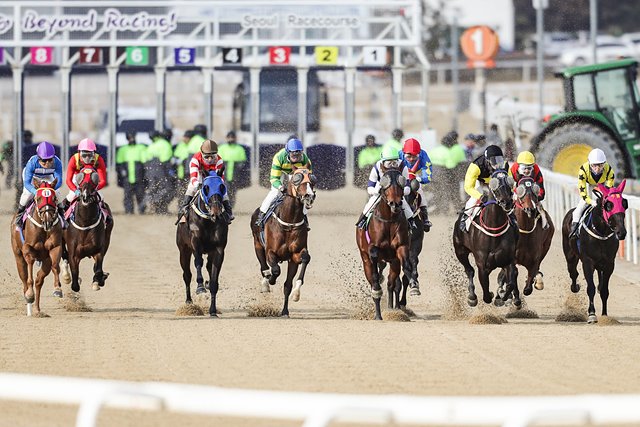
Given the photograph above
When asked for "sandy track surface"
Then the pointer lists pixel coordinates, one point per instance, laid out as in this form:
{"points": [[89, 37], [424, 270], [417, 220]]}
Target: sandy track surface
{"points": [[133, 334]]}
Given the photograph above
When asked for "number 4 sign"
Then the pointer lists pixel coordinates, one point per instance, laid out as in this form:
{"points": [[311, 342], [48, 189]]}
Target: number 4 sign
{"points": [[90, 56], [41, 55]]}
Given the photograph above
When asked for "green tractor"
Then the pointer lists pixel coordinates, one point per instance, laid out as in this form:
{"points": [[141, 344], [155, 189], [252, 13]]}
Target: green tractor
{"points": [[601, 111]]}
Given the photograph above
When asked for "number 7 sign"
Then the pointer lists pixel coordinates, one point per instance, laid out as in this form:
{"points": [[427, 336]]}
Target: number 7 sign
{"points": [[90, 56]]}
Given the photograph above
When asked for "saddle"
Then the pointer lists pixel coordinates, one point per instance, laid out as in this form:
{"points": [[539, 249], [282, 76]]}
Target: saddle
{"points": [[69, 213], [272, 208]]}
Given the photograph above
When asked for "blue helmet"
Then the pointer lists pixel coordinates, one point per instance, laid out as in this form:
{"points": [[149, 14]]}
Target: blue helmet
{"points": [[294, 145]]}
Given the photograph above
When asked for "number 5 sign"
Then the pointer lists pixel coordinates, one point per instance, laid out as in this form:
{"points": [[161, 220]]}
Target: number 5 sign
{"points": [[41, 55], [480, 44]]}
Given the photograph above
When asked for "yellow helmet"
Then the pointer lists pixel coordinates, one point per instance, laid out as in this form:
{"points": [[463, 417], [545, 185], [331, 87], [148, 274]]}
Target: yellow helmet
{"points": [[526, 158]]}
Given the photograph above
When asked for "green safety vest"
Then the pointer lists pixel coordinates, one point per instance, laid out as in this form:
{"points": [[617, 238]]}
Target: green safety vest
{"points": [[131, 154], [447, 157], [393, 143], [231, 154], [195, 143], [181, 152], [160, 149], [369, 156]]}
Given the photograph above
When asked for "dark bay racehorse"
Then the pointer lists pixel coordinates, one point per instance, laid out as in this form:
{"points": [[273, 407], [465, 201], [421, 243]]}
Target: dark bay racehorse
{"points": [[204, 231], [534, 241], [416, 236], [284, 237], [40, 240], [89, 232], [491, 239], [386, 239], [597, 243]]}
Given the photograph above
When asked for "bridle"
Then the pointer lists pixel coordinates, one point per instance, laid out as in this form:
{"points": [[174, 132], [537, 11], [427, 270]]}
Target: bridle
{"points": [[500, 180], [298, 178], [45, 208], [392, 177]]}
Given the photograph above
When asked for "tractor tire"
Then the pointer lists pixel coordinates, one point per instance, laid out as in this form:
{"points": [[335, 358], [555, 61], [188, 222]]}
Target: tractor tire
{"points": [[566, 148]]}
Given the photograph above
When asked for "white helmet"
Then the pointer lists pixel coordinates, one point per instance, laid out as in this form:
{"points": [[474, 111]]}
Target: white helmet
{"points": [[597, 156]]}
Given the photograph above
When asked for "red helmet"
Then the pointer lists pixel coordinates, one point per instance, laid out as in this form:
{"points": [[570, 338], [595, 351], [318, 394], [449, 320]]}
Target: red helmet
{"points": [[411, 146]]}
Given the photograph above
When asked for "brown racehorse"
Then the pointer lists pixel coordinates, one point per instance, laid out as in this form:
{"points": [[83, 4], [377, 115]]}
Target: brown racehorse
{"points": [[386, 239], [534, 241], [492, 241], [89, 233], [284, 237], [597, 244], [416, 236], [42, 242]]}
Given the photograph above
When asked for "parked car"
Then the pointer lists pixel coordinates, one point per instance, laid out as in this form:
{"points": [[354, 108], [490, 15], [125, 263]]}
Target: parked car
{"points": [[606, 51], [633, 39], [554, 43]]}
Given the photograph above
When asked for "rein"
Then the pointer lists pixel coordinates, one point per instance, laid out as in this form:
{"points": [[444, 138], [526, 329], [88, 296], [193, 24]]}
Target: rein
{"points": [[39, 225]]}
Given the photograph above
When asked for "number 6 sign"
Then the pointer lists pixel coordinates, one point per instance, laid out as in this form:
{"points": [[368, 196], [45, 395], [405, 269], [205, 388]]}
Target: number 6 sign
{"points": [[41, 55]]}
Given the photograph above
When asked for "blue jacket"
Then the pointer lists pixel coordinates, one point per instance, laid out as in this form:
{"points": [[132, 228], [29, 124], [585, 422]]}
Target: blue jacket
{"points": [[35, 169], [423, 168]]}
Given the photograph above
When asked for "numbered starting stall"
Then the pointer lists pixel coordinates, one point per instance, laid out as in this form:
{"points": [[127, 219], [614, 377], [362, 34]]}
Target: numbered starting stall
{"points": [[280, 53]]}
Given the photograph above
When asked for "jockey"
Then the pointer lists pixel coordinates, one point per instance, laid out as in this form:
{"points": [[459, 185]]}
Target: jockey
{"points": [[204, 163], [477, 178], [390, 159], [283, 162], [86, 156], [595, 171], [419, 165], [525, 166], [45, 166]]}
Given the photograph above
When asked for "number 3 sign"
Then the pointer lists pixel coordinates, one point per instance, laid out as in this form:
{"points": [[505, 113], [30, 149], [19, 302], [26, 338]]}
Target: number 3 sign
{"points": [[41, 55], [279, 55]]}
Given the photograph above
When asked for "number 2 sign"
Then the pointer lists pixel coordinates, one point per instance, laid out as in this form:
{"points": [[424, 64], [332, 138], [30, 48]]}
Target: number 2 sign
{"points": [[41, 55], [279, 55]]}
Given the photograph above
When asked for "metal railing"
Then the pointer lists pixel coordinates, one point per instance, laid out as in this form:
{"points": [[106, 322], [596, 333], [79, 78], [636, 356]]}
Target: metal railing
{"points": [[318, 409], [562, 195]]}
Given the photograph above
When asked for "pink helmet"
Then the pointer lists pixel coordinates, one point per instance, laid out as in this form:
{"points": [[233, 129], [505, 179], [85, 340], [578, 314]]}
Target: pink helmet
{"points": [[87, 145]]}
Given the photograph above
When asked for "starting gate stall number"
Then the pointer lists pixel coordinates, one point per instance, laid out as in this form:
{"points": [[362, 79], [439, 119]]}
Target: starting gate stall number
{"points": [[184, 55], [41, 55], [374, 55], [231, 56], [137, 55], [90, 56], [326, 55], [279, 55]]}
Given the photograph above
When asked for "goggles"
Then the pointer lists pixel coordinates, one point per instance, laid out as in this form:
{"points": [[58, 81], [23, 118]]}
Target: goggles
{"points": [[389, 164], [525, 170], [46, 160], [86, 154], [496, 162], [209, 156]]}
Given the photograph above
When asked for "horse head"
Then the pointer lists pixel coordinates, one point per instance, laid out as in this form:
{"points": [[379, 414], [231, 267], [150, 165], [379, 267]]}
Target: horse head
{"points": [[87, 181], [45, 202], [301, 185], [613, 207], [211, 193], [501, 187], [527, 192], [392, 185]]}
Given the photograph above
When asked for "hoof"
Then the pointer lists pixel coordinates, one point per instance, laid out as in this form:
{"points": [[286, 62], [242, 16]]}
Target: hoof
{"points": [[75, 288], [95, 286], [29, 297], [213, 315], [378, 317], [57, 293], [200, 290], [488, 298], [376, 294], [528, 289], [539, 284], [518, 304], [575, 288], [592, 319], [284, 315], [498, 302], [415, 292], [264, 286], [472, 301]]}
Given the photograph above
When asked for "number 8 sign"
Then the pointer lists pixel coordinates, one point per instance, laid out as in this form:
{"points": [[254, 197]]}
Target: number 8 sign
{"points": [[41, 55]]}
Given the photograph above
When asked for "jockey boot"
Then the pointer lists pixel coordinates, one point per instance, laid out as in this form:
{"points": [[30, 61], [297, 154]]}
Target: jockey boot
{"points": [[426, 224], [574, 230], [184, 206], [512, 219], [362, 221], [227, 208], [19, 214], [259, 219], [306, 222], [463, 222], [61, 212]]}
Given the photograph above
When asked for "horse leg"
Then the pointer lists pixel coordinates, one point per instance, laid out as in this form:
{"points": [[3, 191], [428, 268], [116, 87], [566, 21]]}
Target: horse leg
{"points": [[604, 286], [404, 256], [463, 257], [208, 266], [98, 274], [272, 261], [501, 291], [483, 277], [54, 257], [22, 272], [304, 259], [29, 294], [45, 268], [264, 268], [185, 263], [512, 276], [587, 269], [292, 269], [393, 287], [214, 263], [572, 263], [199, 262], [376, 289]]}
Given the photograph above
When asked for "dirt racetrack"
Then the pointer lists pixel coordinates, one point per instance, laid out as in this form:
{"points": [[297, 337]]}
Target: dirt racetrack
{"points": [[133, 334]]}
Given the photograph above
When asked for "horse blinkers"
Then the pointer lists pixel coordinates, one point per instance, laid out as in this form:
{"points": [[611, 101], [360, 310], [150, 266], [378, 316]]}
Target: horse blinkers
{"points": [[45, 204]]}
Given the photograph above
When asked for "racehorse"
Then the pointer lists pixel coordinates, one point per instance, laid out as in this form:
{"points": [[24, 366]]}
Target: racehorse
{"points": [[416, 236], [204, 231], [386, 239], [39, 240], [534, 241], [89, 232], [597, 243], [492, 241], [284, 235]]}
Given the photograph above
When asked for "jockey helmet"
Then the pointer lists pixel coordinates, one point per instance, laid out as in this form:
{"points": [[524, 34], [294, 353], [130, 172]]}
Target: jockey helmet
{"points": [[493, 155], [294, 144], [209, 147], [597, 156], [526, 158], [397, 134], [389, 153], [411, 146], [45, 150], [87, 145]]}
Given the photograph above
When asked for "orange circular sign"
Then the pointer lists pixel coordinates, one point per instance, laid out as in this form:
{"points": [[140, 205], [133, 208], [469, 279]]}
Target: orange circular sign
{"points": [[479, 43]]}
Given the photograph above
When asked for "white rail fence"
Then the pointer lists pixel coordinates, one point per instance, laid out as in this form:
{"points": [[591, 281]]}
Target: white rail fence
{"points": [[318, 409], [562, 195]]}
